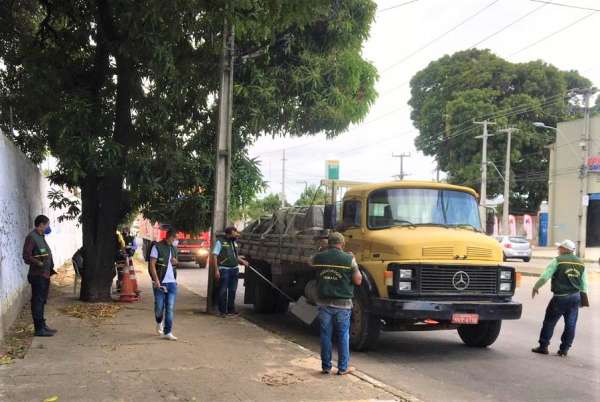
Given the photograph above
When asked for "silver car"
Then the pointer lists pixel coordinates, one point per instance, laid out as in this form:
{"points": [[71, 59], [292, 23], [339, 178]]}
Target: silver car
{"points": [[515, 247]]}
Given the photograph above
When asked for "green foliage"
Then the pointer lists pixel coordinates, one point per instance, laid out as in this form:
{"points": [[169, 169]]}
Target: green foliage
{"points": [[312, 195], [474, 84], [123, 94]]}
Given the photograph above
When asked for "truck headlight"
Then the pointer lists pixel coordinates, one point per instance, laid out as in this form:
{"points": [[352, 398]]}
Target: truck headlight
{"points": [[404, 286], [202, 252], [505, 275], [406, 274], [505, 287]]}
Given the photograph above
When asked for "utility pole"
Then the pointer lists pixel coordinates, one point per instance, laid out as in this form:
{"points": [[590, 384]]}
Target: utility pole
{"points": [[283, 179], [506, 206], [401, 156], [223, 152], [583, 177], [483, 192]]}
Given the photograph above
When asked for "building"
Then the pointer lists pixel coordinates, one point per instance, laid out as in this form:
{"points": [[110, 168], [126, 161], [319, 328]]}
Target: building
{"points": [[564, 198]]}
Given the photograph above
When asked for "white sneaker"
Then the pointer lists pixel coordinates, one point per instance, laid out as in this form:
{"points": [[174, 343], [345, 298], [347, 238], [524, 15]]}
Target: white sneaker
{"points": [[170, 337], [159, 328]]}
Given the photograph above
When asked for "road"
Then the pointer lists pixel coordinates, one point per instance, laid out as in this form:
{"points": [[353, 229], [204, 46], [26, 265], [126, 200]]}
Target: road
{"points": [[435, 366]]}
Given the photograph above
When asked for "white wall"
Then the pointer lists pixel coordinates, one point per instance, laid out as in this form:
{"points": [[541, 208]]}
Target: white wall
{"points": [[23, 196]]}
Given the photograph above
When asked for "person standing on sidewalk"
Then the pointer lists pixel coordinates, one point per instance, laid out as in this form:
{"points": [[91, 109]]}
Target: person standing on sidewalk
{"points": [[37, 254], [163, 262], [226, 261], [569, 284], [337, 274]]}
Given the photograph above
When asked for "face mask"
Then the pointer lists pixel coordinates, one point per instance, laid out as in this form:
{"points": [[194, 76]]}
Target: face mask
{"points": [[175, 242], [47, 231]]}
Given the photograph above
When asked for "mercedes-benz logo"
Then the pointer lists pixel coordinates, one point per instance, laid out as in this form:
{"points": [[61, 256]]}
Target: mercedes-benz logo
{"points": [[461, 280]]}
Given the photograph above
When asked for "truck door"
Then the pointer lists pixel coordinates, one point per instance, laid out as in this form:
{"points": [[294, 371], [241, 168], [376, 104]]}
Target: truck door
{"points": [[351, 228]]}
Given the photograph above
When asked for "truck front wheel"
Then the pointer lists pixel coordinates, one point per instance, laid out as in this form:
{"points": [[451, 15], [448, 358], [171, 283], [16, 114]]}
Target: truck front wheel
{"points": [[364, 327], [481, 335]]}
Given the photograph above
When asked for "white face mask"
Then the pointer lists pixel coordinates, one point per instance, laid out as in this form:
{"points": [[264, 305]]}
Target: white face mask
{"points": [[175, 242]]}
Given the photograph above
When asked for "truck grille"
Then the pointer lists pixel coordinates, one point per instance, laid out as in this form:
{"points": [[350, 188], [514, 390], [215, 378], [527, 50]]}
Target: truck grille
{"points": [[480, 280]]}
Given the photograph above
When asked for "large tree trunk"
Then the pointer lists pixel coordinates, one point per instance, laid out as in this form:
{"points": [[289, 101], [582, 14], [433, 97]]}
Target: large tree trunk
{"points": [[100, 201]]}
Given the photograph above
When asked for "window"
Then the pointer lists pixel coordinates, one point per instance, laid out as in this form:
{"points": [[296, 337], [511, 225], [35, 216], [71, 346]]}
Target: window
{"points": [[351, 214], [416, 206]]}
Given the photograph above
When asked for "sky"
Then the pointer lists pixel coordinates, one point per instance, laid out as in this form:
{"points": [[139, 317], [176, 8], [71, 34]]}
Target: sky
{"points": [[365, 150]]}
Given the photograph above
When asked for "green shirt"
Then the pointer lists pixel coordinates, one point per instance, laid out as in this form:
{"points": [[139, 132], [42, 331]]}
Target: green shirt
{"points": [[549, 273]]}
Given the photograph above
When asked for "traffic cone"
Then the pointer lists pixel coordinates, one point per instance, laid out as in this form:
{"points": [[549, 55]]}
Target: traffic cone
{"points": [[127, 293], [132, 277]]}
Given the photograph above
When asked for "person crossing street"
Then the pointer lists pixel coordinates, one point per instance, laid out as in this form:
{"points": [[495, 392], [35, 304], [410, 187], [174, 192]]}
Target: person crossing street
{"points": [[569, 284]]}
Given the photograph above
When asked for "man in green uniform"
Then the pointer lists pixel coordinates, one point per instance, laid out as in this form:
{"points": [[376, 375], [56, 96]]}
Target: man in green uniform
{"points": [[163, 271], [37, 254], [569, 278], [337, 274]]}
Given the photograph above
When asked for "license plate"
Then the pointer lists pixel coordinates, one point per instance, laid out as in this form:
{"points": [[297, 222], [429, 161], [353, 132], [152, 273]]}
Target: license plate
{"points": [[468, 319]]}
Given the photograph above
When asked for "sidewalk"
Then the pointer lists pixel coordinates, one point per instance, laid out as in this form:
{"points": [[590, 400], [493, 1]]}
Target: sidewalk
{"points": [[547, 253], [215, 359]]}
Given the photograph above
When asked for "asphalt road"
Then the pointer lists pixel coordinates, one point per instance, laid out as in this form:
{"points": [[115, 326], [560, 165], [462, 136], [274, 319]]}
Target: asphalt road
{"points": [[436, 366]]}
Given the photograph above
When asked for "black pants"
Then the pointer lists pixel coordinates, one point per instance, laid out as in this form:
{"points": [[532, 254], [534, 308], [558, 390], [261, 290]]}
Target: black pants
{"points": [[39, 295]]}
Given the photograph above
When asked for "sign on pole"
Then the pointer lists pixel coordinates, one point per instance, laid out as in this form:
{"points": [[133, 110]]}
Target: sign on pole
{"points": [[332, 170]]}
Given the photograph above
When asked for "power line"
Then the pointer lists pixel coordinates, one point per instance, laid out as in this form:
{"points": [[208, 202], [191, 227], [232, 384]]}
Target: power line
{"points": [[565, 5], [509, 25], [396, 6], [553, 33], [431, 42]]}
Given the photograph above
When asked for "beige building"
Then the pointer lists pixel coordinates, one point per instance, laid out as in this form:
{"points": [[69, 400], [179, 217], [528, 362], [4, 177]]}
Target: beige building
{"points": [[564, 198]]}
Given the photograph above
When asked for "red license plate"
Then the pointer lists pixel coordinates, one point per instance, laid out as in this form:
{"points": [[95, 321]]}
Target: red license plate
{"points": [[468, 319]]}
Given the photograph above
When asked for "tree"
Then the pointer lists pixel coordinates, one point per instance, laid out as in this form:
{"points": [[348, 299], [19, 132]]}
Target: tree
{"points": [[475, 84], [122, 94], [313, 195], [257, 208]]}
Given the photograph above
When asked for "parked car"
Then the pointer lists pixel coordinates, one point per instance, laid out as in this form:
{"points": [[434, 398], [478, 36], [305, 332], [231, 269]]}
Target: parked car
{"points": [[193, 250], [515, 247]]}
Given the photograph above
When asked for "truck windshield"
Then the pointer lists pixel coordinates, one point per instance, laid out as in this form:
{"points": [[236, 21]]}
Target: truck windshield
{"points": [[422, 206]]}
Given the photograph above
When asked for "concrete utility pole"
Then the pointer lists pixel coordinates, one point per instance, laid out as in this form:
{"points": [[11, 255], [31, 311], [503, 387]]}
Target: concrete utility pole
{"points": [[583, 177], [401, 156], [283, 179], [483, 192], [506, 206], [223, 154]]}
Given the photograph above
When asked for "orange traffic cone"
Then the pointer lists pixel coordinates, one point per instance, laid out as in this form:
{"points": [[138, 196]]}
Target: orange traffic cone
{"points": [[133, 278], [127, 293]]}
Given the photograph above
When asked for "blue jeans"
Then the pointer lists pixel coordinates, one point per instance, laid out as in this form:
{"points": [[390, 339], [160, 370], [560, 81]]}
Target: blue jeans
{"points": [[338, 318], [164, 305], [227, 288], [561, 306]]}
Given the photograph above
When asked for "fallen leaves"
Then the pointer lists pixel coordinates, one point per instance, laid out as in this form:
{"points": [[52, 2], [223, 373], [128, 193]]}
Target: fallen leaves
{"points": [[6, 359], [92, 311]]}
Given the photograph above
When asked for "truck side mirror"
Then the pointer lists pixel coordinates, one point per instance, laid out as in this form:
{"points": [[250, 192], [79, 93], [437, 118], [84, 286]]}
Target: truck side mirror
{"points": [[329, 216]]}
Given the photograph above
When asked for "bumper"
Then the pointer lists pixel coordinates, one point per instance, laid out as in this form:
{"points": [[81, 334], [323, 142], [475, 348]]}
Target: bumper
{"points": [[442, 311], [517, 254]]}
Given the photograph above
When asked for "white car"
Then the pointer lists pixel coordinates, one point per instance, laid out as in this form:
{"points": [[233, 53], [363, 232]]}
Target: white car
{"points": [[515, 247]]}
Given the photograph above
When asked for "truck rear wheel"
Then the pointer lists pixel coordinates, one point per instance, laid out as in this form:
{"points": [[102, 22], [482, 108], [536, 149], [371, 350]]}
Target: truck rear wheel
{"points": [[481, 335], [263, 297], [364, 327]]}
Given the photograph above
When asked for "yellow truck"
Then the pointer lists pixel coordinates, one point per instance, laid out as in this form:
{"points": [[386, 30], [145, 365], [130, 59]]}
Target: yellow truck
{"points": [[426, 263]]}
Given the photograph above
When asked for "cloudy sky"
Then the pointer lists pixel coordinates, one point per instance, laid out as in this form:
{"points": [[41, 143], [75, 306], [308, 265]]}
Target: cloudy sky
{"points": [[563, 36]]}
